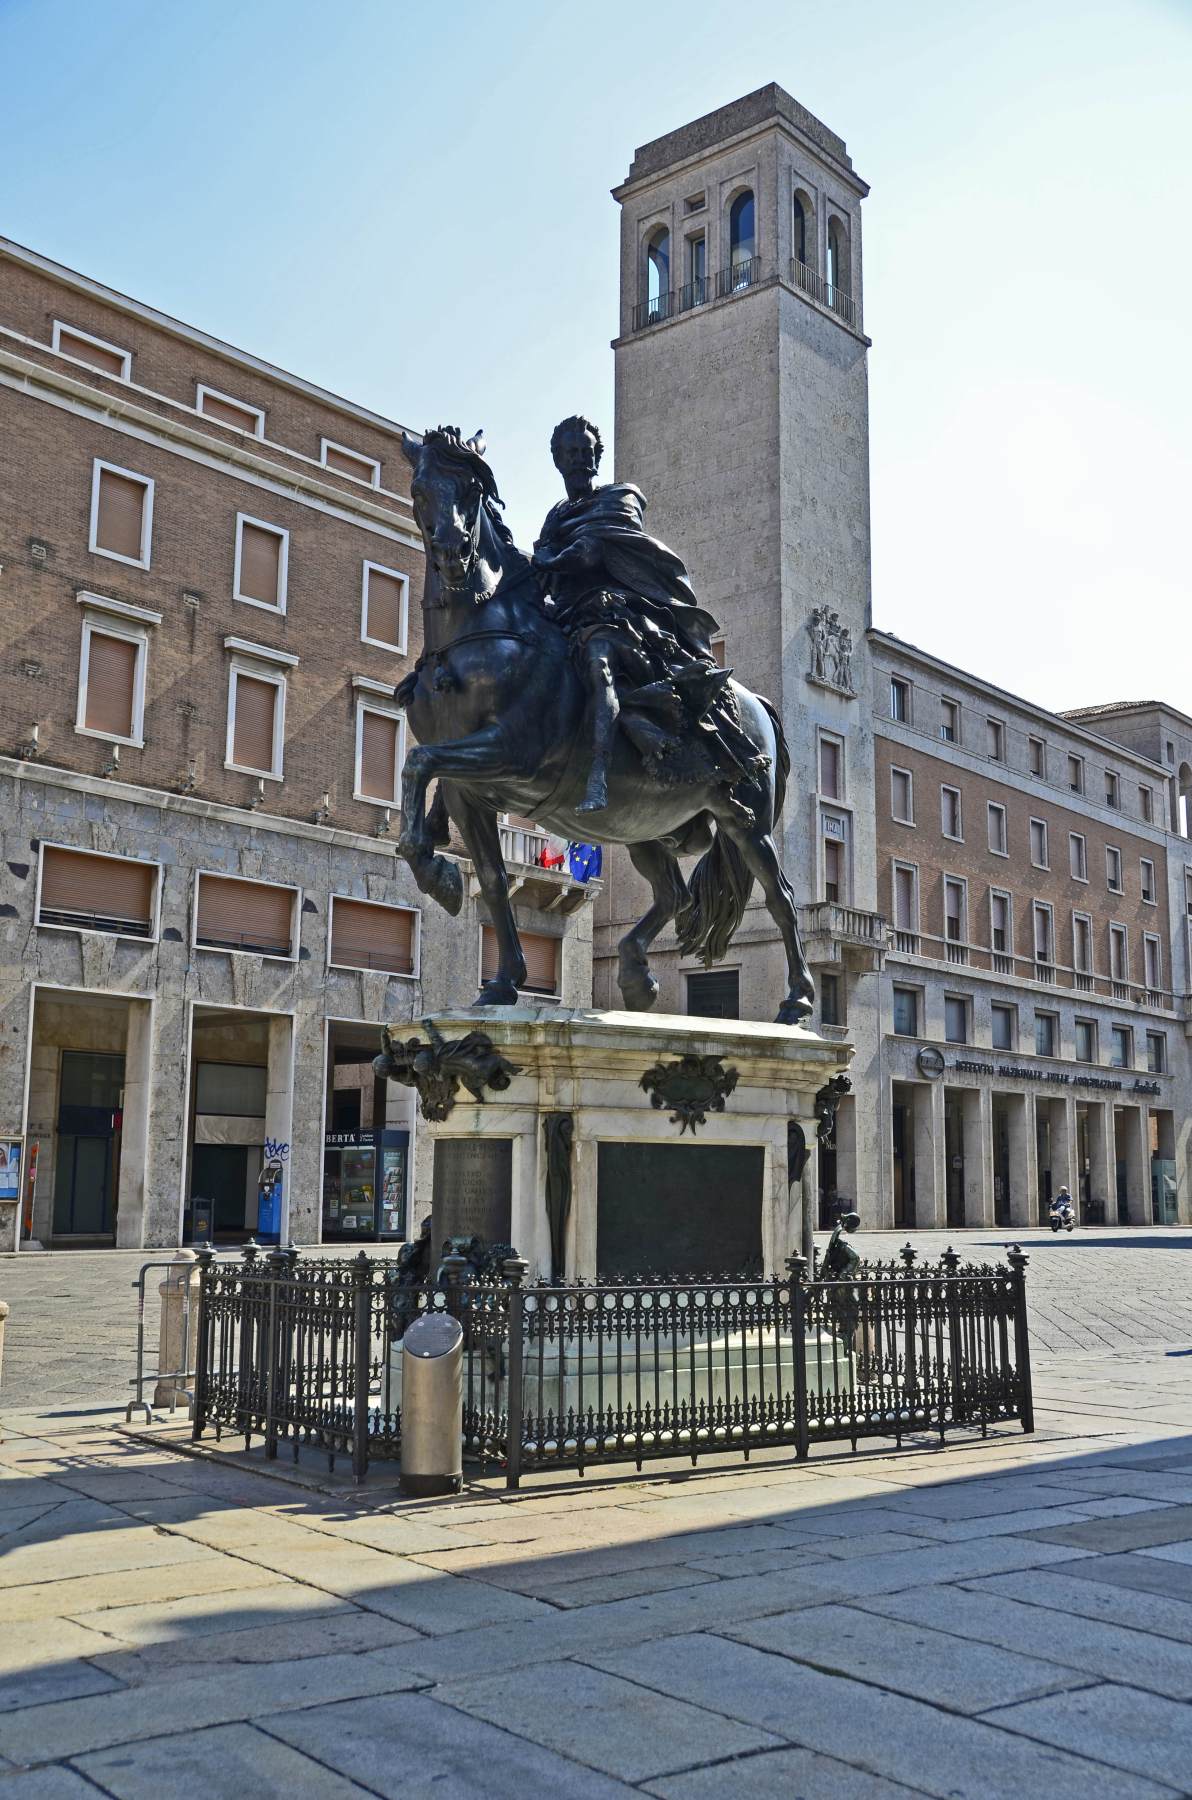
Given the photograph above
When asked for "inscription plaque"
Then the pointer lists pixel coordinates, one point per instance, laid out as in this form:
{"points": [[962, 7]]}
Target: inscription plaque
{"points": [[678, 1208], [472, 1190]]}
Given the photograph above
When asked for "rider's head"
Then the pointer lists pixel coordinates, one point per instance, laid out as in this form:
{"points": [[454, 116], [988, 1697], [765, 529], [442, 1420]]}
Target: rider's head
{"points": [[576, 446]]}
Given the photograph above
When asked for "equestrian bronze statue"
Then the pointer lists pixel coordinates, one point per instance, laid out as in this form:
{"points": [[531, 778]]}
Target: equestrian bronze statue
{"points": [[578, 688]]}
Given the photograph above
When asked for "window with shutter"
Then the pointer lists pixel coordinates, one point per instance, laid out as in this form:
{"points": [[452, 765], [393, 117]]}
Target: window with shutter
{"points": [[226, 411], [367, 936], [108, 684], [94, 351], [244, 915], [714, 994], [96, 893], [121, 514], [349, 462], [378, 750], [385, 607], [253, 734], [261, 559], [542, 960]]}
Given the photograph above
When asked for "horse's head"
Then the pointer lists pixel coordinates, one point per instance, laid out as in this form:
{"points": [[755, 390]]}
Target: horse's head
{"points": [[453, 492]]}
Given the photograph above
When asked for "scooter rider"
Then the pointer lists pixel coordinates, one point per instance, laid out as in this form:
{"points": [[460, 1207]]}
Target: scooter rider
{"points": [[1062, 1211]]}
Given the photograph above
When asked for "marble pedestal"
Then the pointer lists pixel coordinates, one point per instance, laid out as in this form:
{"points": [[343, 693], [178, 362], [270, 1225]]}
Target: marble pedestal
{"points": [[589, 1065]]}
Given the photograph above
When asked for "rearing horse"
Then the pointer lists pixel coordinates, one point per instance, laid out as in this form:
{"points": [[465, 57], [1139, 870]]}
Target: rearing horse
{"points": [[499, 713]]}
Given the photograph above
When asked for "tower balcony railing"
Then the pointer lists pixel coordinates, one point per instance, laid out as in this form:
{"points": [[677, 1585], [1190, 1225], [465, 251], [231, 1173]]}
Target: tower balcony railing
{"points": [[654, 310], [695, 293], [825, 293], [746, 272]]}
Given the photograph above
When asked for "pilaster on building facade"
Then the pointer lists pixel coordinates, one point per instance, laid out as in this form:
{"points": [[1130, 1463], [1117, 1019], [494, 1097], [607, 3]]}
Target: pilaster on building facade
{"points": [[1019, 1014], [211, 574]]}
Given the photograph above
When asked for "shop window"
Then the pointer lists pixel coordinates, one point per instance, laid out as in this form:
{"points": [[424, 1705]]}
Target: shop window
{"points": [[121, 515], [226, 411], [86, 892], [96, 352], [955, 1019], [1121, 1047], [384, 607], [252, 916], [111, 699], [1004, 1027], [1086, 1041], [350, 462], [367, 935], [542, 960], [379, 744], [906, 1012], [262, 564], [1156, 1052], [1046, 1032], [714, 994]]}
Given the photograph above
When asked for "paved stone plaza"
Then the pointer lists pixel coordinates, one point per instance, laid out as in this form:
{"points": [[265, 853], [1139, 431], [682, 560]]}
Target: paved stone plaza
{"points": [[1008, 1617]]}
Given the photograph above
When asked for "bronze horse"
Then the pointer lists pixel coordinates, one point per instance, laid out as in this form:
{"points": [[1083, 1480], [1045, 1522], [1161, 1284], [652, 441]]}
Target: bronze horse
{"points": [[499, 713]]}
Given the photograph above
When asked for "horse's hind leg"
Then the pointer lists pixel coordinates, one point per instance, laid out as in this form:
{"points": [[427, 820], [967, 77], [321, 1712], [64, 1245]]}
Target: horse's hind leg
{"points": [[478, 828], [760, 853], [660, 866]]}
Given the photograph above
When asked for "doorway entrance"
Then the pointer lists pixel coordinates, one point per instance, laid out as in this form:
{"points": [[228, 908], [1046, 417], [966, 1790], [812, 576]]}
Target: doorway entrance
{"points": [[87, 1169], [903, 1127], [954, 1160]]}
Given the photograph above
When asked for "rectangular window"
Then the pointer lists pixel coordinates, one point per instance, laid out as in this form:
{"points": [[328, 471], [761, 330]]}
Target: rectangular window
{"points": [[378, 755], [906, 1012], [111, 699], [716, 994], [1037, 751], [1045, 1034], [833, 869], [542, 960], [1121, 1047], [900, 700], [1112, 790], [1152, 963], [237, 1090], [1086, 1041], [997, 829], [1156, 1052], [1039, 843], [121, 515], [1076, 774], [87, 892], [719, 653], [1113, 870], [950, 819], [350, 462], [96, 352], [1044, 940], [254, 916], [830, 759], [226, 411], [1147, 869], [1077, 857], [954, 922], [1000, 933], [831, 1000], [950, 721], [262, 564], [1005, 1023], [256, 720], [1082, 950], [955, 1019], [384, 607], [1146, 803], [1119, 958], [902, 796], [906, 909], [995, 739], [366, 935]]}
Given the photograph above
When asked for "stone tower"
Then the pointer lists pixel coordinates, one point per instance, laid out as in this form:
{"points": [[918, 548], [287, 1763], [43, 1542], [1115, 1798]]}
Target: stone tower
{"points": [[742, 413]]}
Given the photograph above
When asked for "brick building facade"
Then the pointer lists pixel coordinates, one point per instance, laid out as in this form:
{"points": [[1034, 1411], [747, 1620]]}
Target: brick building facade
{"points": [[997, 901], [210, 584]]}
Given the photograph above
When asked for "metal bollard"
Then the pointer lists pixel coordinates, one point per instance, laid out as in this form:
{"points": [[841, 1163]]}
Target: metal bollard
{"points": [[432, 1399]]}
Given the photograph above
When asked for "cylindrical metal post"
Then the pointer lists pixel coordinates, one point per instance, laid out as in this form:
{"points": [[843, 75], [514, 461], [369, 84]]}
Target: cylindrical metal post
{"points": [[798, 1266], [203, 1330], [362, 1300], [1018, 1259], [514, 1270], [432, 1405]]}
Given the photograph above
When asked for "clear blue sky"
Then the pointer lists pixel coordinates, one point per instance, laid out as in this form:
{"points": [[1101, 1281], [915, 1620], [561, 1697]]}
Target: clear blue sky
{"points": [[410, 205]]}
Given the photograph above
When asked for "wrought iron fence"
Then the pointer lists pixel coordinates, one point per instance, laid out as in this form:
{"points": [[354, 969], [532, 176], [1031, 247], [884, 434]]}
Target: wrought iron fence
{"points": [[571, 1376]]}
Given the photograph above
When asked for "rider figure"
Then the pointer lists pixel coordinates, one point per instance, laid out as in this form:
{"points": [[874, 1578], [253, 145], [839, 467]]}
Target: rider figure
{"points": [[637, 633]]}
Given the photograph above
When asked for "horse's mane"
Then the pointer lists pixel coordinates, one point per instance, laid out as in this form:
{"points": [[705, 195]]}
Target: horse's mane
{"points": [[448, 444]]}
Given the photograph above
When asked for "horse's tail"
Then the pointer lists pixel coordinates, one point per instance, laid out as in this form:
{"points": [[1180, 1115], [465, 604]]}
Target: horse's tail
{"points": [[722, 883]]}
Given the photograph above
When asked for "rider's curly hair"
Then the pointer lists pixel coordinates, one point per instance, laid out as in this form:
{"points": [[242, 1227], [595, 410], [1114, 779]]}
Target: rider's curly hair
{"points": [[577, 422]]}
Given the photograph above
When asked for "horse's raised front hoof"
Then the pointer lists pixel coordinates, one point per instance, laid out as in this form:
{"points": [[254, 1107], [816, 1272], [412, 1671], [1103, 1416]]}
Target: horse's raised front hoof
{"points": [[498, 993], [794, 1011], [639, 994], [445, 884]]}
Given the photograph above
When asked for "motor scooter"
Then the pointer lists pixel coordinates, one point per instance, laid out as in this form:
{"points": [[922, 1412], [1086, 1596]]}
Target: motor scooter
{"points": [[1061, 1215]]}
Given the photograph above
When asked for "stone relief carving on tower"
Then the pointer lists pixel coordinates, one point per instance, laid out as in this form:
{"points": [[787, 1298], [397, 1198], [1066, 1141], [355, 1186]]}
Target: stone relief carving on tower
{"points": [[831, 652]]}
